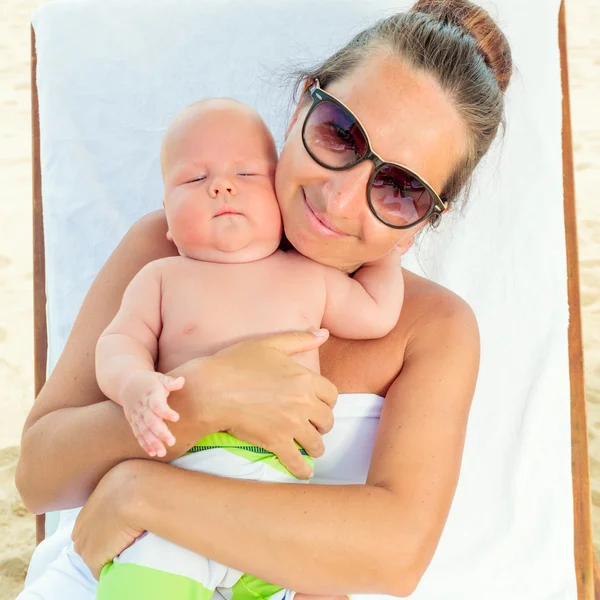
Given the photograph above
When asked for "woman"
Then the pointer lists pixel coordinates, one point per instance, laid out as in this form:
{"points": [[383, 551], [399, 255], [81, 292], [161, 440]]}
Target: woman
{"points": [[427, 87]]}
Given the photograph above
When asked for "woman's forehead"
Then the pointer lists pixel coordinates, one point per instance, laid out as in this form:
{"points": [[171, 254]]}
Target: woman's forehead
{"points": [[408, 118]]}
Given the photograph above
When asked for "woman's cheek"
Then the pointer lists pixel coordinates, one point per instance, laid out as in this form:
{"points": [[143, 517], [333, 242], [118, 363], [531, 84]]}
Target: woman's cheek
{"points": [[379, 240]]}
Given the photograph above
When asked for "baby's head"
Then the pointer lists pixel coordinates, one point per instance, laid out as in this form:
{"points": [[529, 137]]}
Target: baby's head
{"points": [[218, 164]]}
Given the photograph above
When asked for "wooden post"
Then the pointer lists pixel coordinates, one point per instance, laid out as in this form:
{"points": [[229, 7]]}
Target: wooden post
{"points": [[584, 557], [40, 337]]}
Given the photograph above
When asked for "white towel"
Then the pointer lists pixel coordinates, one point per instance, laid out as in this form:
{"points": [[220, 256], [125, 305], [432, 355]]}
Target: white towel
{"points": [[112, 73]]}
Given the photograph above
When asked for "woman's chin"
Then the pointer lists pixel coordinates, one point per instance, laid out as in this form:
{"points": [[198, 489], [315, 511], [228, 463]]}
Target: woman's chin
{"points": [[308, 244], [322, 250], [302, 239]]}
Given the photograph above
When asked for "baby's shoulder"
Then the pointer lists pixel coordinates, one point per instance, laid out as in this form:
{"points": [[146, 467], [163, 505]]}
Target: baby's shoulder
{"points": [[176, 262], [171, 265]]}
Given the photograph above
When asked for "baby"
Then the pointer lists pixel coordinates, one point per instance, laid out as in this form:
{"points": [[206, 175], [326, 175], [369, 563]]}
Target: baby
{"points": [[230, 283]]}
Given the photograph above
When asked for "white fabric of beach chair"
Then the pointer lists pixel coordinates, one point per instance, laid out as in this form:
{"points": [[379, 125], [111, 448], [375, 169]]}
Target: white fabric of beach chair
{"points": [[112, 73]]}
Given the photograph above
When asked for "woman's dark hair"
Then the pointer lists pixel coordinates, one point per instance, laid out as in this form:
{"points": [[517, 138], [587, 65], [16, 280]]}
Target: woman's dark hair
{"points": [[458, 44]]}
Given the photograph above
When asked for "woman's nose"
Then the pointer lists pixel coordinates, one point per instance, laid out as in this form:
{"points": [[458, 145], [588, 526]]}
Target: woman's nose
{"points": [[345, 192], [221, 186]]}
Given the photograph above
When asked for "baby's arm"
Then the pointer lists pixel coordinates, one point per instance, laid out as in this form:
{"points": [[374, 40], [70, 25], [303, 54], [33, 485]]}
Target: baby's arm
{"points": [[126, 354], [367, 305]]}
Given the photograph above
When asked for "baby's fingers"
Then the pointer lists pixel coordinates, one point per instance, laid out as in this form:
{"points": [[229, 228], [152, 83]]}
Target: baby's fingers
{"points": [[158, 428], [171, 383], [158, 405], [174, 384], [146, 439], [158, 448]]}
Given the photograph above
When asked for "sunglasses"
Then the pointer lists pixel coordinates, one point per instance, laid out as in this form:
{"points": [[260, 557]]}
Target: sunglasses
{"points": [[336, 140]]}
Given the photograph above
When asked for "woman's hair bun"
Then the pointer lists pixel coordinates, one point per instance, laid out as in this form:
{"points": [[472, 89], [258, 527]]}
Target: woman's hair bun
{"points": [[475, 21]]}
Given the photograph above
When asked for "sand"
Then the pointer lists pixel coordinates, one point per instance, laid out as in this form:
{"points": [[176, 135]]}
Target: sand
{"points": [[16, 331]]}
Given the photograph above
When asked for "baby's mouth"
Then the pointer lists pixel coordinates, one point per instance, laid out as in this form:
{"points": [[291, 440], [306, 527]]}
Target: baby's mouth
{"points": [[227, 210]]}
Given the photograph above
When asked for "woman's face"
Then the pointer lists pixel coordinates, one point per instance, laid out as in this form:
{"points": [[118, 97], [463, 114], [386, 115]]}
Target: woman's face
{"points": [[409, 121]]}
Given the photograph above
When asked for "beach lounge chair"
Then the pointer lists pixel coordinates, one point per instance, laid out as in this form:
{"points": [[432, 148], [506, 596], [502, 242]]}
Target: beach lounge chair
{"points": [[106, 78]]}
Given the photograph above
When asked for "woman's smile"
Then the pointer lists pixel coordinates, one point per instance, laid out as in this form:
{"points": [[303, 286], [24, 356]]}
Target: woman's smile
{"points": [[319, 222]]}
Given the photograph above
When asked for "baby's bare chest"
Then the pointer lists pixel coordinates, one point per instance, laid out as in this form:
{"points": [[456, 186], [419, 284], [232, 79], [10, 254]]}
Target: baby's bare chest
{"points": [[207, 308]]}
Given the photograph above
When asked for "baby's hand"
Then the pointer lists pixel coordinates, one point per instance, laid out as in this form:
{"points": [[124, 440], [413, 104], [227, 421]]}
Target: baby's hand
{"points": [[145, 405]]}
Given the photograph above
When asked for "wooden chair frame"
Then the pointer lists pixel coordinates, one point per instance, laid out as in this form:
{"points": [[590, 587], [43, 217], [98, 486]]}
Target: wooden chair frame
{"points": [[586, 568]]}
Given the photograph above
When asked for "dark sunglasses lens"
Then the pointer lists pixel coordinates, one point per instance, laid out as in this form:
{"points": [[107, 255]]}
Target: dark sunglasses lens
{"points": [[333, 137], [398, 197]]}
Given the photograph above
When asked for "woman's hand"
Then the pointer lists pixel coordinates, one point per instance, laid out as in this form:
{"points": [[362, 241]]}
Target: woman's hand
{"points": [[106, 524], [260, 395]]}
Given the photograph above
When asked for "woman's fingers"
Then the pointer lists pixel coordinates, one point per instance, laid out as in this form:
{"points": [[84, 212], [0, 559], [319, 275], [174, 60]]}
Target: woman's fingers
{"points": [[312, 441], [295, 342], [326, 391], [291, 458], [261, 395], [102, 530]]}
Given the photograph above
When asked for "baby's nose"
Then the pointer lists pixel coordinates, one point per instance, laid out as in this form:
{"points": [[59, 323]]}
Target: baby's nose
{"points": [[221, 185]]}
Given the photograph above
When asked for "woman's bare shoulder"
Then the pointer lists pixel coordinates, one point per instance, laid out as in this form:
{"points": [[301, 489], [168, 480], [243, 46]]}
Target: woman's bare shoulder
{"points": [[433, 315], [427, 302]]}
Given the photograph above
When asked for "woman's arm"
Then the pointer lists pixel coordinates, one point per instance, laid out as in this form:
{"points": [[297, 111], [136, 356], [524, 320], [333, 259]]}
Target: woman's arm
{"points": [[74, 435], [322, 539]]}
